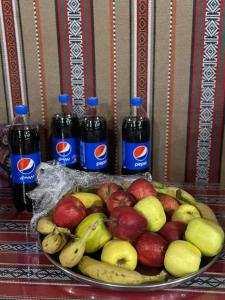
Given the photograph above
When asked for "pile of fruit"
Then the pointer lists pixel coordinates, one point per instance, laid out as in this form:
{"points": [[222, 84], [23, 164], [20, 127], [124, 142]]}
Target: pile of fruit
{"points": [[108, 234]]}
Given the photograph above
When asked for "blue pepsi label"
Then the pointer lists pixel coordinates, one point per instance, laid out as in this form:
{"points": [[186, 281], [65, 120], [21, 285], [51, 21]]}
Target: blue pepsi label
{"points": [[65, 150], [136, 155], [24, 167], [93, 156]]}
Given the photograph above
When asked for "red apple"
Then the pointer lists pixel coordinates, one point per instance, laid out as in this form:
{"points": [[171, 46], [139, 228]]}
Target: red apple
{"points": [[120, 198], [141, 188], [106, 189], [68, 212], [151, 248], [126, 223], [173, 230], [169, 204]]}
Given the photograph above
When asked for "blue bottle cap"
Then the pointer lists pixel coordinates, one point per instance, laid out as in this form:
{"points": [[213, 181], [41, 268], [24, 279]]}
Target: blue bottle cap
{"points": [[64, 98], [92, 101], [21, 109], [136, 101]]}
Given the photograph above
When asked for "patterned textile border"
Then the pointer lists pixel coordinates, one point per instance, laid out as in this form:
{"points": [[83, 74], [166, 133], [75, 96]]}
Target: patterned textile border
{"points": [[142, 50], [141, 45], [76, 49], [170, 90], [113, 69], [41, 65], [206, 107], [12, 57]]}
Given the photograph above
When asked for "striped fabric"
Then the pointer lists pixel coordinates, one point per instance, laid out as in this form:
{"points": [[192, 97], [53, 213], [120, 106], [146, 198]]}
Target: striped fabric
{"points": [[170, 52]]}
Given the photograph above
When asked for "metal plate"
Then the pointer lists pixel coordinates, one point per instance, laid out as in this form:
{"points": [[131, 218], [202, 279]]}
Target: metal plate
{"points": [[172, 282]]}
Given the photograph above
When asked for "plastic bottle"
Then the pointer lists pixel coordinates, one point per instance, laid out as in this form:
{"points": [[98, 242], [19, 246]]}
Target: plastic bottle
{"points": [[136, 143], [23, 137], [93, 139], [65, 128]]}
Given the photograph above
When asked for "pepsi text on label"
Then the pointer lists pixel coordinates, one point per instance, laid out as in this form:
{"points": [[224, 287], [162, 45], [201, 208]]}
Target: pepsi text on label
{"points": [[136, 156], [24, 167], [65, 150], [93, 156]]}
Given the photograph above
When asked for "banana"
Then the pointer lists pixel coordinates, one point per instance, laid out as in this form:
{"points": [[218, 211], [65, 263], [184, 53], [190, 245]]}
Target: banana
{"points": [[157, 184], [45, 225], [113, 274], [206, 212], [184, 197], [89, 199], [72, 253], [54, 242], [169, 190]]}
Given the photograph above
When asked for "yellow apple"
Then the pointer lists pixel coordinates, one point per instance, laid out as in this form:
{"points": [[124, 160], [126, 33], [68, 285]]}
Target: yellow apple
{"points": [[185, 213], [120, 253], [153, 211], [207, 235], [182, 258], [98, 237]]}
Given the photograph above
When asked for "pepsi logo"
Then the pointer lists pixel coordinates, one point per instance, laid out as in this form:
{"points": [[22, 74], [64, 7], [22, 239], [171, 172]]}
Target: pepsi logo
{"points": [[140, 153], [26, 165], [63, 148], [101, 152]]}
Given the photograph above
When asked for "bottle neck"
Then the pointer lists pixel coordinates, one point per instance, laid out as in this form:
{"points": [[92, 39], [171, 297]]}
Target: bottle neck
{"points": [[21, 120], [65, 108], [91, 111], [137, 110], [134, 110]]}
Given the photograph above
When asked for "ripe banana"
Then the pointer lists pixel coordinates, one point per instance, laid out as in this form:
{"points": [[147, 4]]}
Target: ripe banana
{"points": [[169, 190], [157, 184], [72, 253], [45, 225], [89, 199], [113, 274], [54, 242], [184, 197], [206, 212]]}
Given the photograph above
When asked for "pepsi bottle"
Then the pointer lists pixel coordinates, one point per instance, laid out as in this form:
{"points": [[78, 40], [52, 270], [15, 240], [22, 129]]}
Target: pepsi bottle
{"points": [[135, 136], [64, 135], [23, 138], [93, 139]]}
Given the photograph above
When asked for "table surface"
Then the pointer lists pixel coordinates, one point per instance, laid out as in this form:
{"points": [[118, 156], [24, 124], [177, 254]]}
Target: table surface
{"points": [[25, 272]]}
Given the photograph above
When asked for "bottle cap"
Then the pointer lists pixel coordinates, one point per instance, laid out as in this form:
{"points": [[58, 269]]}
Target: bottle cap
{"points": [[64, 98], [92, 101], [136, 101], [21, 109]]}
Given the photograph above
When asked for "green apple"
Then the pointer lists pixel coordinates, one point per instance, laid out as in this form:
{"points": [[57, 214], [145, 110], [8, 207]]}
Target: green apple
{"points": [[120, 253], [97, 237], [182, 258], [185, 213], [153, 211], [206, 235]]}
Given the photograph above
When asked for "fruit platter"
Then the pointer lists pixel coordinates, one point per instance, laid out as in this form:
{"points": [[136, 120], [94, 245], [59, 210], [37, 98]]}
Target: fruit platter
{"points": [[145, 236]]}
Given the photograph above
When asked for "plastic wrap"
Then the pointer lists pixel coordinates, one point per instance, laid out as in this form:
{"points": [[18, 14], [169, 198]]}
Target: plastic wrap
{"points": [[54, 181]]}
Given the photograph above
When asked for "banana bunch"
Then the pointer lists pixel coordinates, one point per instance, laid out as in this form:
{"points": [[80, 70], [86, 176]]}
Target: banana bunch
{"points": [[72, 253], [54, 242], [183, 197], [113, 274]]}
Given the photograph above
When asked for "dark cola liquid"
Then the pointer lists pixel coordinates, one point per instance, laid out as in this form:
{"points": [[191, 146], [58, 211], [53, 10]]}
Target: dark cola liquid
{"points": [[65, 126], [135, 130], [23, 140]]}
